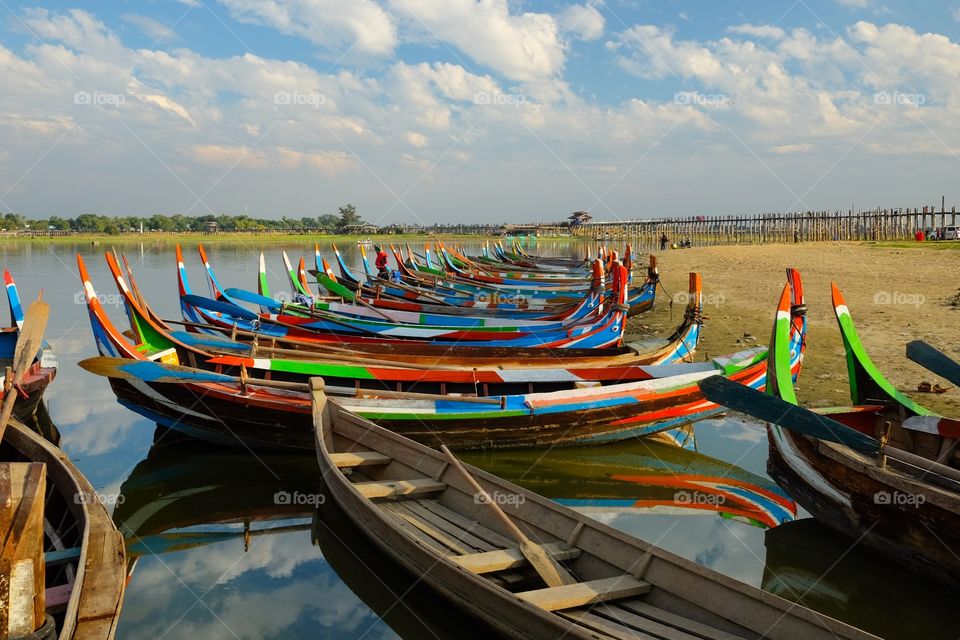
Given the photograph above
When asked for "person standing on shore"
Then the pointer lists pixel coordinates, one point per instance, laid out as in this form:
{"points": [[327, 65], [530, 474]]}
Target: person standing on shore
{"points": [[663, 242], [381, 263]]}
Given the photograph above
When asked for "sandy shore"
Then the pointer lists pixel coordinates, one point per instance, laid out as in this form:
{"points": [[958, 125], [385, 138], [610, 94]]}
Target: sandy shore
{"points": [[895, 295]]}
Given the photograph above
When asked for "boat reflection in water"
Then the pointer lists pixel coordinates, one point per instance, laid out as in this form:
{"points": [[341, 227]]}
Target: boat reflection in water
{"points": [[644, 477], [808, 563], [223, 508]]}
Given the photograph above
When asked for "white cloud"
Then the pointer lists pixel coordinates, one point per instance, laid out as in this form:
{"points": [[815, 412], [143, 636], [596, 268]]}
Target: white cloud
{"points": [[417, 140], [151, 27], [360, 25], [522, 46], [792, 148], [955, 14], [758, 31], [854, 4], [583, 21]]}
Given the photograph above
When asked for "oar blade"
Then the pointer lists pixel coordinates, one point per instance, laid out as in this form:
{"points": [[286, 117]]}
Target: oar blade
{"points": [[545, 565], [738, 397], [30, 338], [934, 361], [150, 371]]}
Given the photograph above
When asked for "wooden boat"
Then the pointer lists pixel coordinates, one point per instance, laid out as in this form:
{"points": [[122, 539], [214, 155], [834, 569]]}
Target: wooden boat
{"points": [[232, 410], [83, 554], [44, 367], [597, 329], [882, 472], [486, 371], [424, 510]]}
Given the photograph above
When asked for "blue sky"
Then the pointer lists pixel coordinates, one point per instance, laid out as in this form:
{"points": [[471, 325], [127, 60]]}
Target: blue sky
{"points": [[456, 110]]}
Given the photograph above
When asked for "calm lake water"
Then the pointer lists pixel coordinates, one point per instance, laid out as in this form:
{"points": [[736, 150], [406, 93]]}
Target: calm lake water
{"points": [[229, 544]]}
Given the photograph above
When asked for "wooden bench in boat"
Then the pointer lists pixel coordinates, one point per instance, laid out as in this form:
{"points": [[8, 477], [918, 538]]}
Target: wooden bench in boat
{"points": [[359, 459], [398, 488]]}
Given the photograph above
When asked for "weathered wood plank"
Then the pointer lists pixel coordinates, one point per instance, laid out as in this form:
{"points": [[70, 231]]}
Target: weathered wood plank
{"points": [[609, 629], [641, 623], [398, 488], [473, 526], [677, 621], [571, 596], [359, 459], [503, 559]]}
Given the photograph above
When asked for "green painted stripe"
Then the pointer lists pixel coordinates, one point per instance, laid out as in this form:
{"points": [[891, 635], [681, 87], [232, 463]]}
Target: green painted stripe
{"points": [[782, 378], [321, 369]]}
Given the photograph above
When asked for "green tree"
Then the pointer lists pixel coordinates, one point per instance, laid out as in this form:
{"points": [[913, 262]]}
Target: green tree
{"points": [[58, 223], [327, 221], [348, 217]]}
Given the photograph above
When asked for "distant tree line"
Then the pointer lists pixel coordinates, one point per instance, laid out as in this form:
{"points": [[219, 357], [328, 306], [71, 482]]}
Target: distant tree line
{"points": [[93, 223]]}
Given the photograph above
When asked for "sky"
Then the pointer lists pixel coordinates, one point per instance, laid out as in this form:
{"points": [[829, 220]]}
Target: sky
{"points": [[446, 111]]}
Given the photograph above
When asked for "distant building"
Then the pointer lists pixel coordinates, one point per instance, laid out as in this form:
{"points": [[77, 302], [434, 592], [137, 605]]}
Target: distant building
{"points": [[578, 218], [210, 227]]}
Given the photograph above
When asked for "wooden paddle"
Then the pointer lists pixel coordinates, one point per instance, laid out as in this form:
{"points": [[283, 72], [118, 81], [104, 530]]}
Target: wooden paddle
{"points": [[933, 360], [29, 340], [159, 372], [549, 569], [738, 397]]}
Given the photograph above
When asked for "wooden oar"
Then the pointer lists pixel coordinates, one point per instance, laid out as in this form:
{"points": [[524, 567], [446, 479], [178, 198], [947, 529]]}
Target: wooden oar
{"points": [[933, 360], [548, 568], [29, 340], [738, 397], [159, 372]]}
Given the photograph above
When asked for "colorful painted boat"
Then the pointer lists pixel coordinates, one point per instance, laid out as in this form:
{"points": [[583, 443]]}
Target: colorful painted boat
{"points": [[215, 407], [41, 372], [426, 513]]}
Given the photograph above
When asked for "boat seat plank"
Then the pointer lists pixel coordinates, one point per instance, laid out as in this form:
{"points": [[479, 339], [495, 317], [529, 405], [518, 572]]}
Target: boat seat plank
{"points": [[461, 534], [609, 629], [474, 527], [571, 596], [503, 559], [643, 624], [415, 533], [398, 488], [58, 596], [450, 542], [359, 459], [698, 629]]}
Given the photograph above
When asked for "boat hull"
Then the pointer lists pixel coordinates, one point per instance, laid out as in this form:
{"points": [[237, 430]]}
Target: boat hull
{"points": [[914, 525]]}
